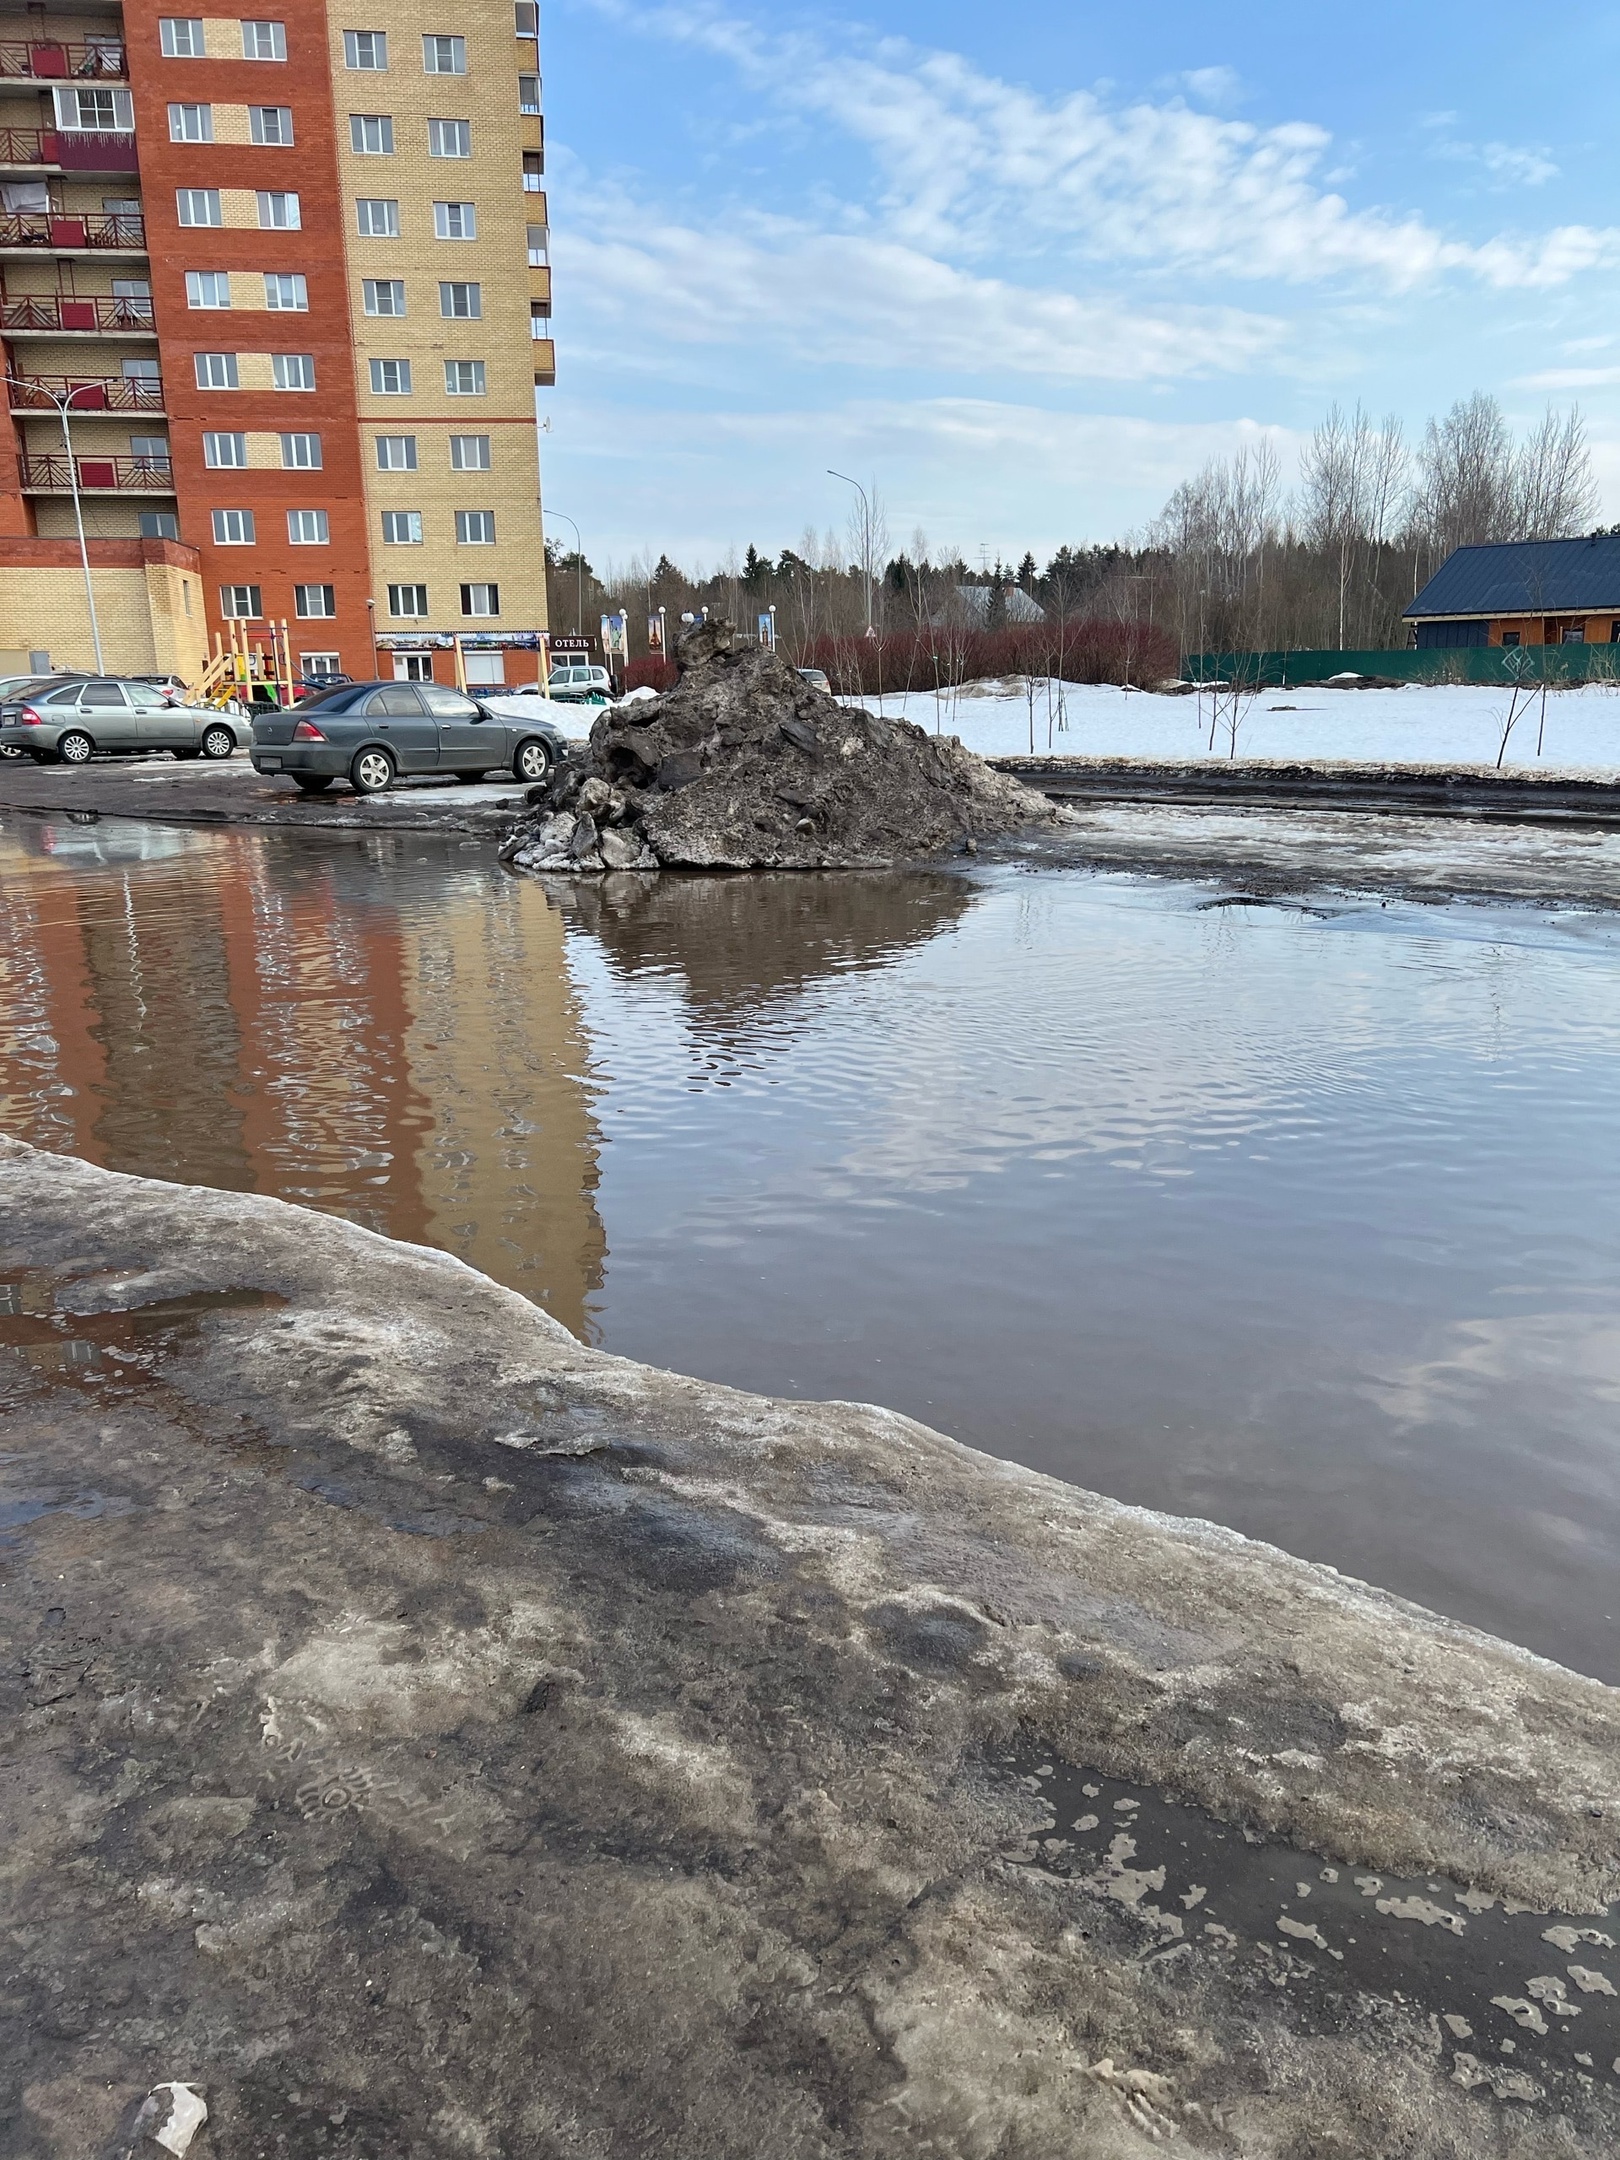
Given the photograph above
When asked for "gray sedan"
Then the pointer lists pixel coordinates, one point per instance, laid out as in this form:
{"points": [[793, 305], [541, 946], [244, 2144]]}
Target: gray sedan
{"points": [[106, 716], [372, 733]]}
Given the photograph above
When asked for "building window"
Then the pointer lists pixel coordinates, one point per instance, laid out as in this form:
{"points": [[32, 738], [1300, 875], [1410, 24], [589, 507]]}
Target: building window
{"points": [[239, 603], [534, 172], [95, 112], [292, 370], [285, 291], [480, 599], [371, 134], [449, 138], [270, 124], [159, 525], [319, 663], [527, 13], [233, 528], [410, 601], [464, 378], [180, 37], [279, 213], [461, 303], [301, 453], [1510, 637], [402, 528], [366, 50], [396, 453], [444, 55], [528, 93], [191, 123], [264, 41], [539, 246], [310, 601], [455, 221], [469, 453], [475, 528], [376, 217], [391, 378], [216, 371], [383, 296], [208, 288], [225, 450], [198, 206], [307, 528]]}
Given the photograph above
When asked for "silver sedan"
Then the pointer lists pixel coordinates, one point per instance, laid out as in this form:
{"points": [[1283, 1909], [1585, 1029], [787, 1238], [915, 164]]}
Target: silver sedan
{"points": [[106, 716]]}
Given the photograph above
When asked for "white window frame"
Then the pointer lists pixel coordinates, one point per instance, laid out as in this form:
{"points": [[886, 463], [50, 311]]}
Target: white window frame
{"points": [[382, 387], [319, 536], [279, 370], [413, 528], [454, 387], [447, 216], [301, 451], [490, 591], [466, 537], [276, 40], [236, 458], [204, 368], [244, 533], [379, 124], [473, 293], [189, 200], [364, 225], [292, 217], [410, 614], [273, 300], [373, 289], [181, 37], [252, 612], [326, 612], [371, 64], [69, 103], [407, 461], [437, 138], [459, 453], [217, 280], [191, 123], [258, 116], [440, 46]]}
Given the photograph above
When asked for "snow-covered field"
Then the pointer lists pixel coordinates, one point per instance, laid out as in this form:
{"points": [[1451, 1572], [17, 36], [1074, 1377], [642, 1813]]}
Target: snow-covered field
{"points": [[1421, 725]]}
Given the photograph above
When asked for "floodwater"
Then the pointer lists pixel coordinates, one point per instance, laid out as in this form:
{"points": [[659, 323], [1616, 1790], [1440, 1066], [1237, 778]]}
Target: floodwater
{"points": [[1303, 1218]]}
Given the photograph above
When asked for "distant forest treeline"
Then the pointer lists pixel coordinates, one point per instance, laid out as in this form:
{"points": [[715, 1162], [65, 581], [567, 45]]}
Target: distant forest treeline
{"points": [[1233, 562]]}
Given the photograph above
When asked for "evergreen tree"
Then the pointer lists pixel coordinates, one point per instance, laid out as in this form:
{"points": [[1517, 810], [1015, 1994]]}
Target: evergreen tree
{"points": [[756, 568], [1026, 572]]}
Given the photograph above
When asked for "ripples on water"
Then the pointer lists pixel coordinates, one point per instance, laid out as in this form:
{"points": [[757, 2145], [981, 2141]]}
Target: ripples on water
{"points": [[1301, 1219]]}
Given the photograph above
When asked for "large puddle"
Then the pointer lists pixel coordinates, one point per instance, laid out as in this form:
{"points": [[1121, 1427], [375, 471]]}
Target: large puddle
{"points": [[1302, 1219]]}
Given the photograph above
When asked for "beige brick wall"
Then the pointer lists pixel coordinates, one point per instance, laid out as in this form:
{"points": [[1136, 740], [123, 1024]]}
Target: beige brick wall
{"points": [[497, 261], [142, 615]]}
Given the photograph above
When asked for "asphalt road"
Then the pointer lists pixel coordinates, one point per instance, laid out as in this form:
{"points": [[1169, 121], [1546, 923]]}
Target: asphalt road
{"points": [[232, 793]]}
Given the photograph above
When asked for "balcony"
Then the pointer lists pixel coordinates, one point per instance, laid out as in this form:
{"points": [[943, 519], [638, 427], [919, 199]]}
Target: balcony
{"points": [[62, 151], [41, 60], [68, 314], [545, 360], [50, 473], [89, 393], [104, 232]]}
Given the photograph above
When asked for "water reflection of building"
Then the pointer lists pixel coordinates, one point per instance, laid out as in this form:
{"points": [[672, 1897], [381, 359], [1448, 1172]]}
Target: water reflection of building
{"points": [[378, 1029]]}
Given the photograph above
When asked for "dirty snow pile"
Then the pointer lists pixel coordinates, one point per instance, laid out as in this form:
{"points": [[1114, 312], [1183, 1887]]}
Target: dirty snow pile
{"points": [[745, 765]]}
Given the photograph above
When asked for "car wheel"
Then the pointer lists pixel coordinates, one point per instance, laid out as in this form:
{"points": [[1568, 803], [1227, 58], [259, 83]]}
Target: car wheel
{"points": [[313, 783], [218, 742], [184, 754], [75, 748], [533, 760], [11, 750], [371, 772]]}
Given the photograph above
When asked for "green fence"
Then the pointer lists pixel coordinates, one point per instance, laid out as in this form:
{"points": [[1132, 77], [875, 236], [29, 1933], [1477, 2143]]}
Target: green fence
{"points": [[1459, 664]]}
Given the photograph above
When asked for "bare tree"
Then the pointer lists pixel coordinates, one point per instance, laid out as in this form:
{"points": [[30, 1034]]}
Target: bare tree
{"points": [[1466, 488], [1554, 491]]}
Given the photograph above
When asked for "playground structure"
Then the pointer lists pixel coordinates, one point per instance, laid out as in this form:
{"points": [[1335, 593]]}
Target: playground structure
{"points": [[247, 672]]}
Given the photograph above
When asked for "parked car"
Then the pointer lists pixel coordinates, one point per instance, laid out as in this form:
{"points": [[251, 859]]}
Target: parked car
{"points": [[318, 685], [13, 687], [173, 688], [371, 733], [578, 679], [816, 677], [85, 716]]}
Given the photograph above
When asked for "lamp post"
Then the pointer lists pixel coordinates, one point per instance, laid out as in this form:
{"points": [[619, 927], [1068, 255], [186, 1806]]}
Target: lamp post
{"points": [[866, 538], [579, 568], [62, 404]]}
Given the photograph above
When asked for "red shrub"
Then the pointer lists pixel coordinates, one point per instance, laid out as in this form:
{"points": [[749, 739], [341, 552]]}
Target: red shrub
{"points": [[1086, 652]]}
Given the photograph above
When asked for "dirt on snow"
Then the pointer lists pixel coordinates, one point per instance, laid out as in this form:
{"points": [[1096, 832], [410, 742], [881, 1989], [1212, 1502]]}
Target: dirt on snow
{"points": [[746, 765]]}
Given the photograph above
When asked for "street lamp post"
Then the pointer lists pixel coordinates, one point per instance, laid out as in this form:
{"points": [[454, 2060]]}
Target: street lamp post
{"points": [[579, 568], [62, 404], [866, 538]]}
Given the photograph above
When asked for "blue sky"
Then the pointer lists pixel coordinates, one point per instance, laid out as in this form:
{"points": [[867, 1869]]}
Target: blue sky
{"points": [[1026, 266]]}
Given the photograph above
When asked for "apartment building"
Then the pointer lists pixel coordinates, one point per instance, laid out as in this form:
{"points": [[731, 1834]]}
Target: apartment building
{"points": [[290, 275]]}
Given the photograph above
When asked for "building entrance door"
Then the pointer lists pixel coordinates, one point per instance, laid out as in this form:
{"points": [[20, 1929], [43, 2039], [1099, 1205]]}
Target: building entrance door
{"points": [[413, 667]]}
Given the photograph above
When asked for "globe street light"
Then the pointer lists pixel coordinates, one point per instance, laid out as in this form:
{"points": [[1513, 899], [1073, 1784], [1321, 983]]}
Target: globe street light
{"points": [[579, 568], [866, 538], [62, 404]]}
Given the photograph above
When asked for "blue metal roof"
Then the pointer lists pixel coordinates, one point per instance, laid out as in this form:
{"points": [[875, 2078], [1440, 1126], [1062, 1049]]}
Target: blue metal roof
{"points": [[1526, 577]]}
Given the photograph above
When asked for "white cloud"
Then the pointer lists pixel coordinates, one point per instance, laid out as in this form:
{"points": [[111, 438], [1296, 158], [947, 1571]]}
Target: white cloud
{"points": [[976, 167], [1506, 163], [1211, 85], [1575, 378], [872, 302]]}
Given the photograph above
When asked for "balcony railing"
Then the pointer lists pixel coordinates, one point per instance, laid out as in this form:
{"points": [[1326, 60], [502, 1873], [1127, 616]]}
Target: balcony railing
{"points": [[59, 60], [50, 474], [123, 231], [90, 393], [112, 152], [65, 311]]}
